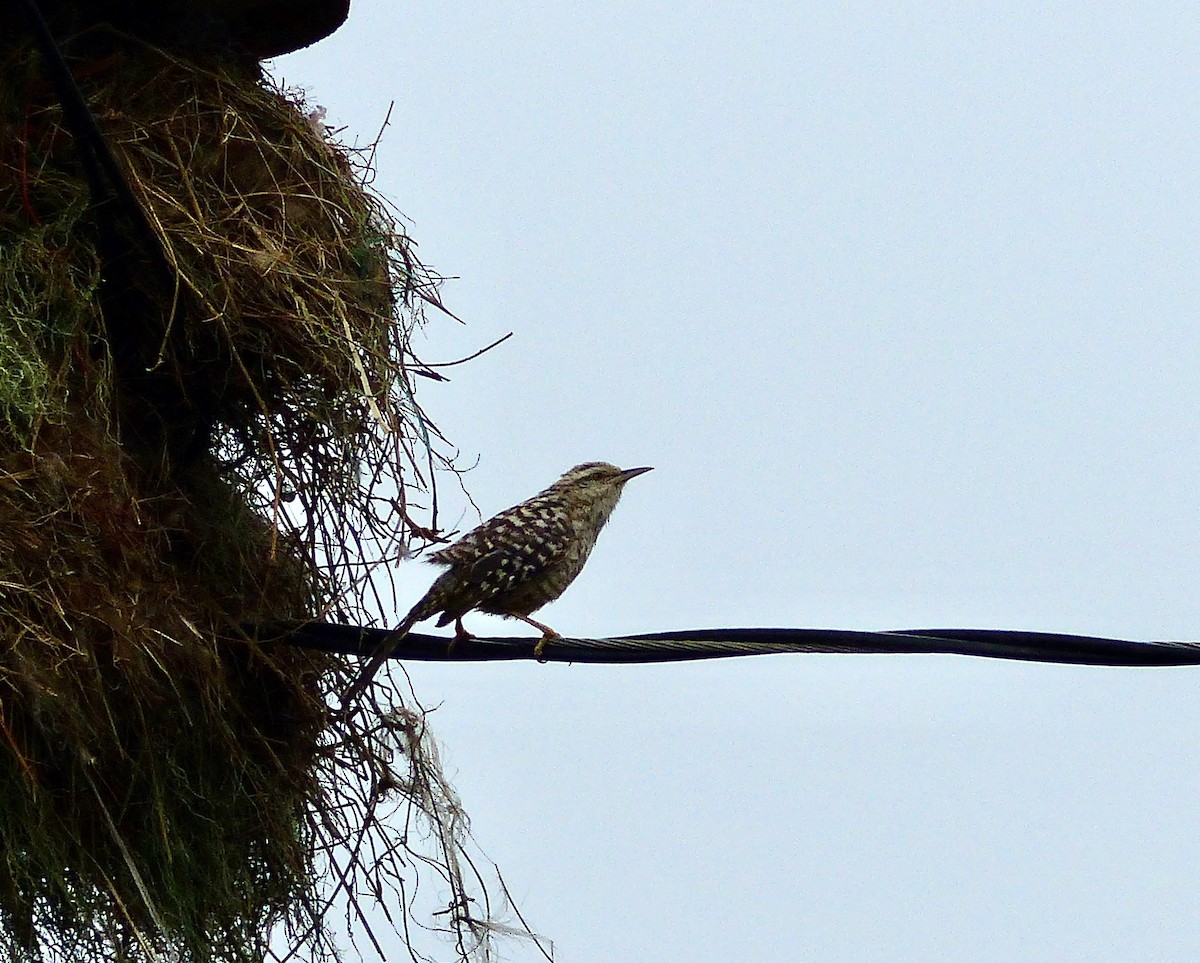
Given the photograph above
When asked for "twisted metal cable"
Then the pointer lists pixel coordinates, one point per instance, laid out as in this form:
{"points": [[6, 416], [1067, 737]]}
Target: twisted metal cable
{"points": [[694, 644]]}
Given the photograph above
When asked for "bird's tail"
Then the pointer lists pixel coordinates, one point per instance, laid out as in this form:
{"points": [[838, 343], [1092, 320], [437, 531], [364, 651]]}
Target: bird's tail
{"points": [[419, 612]]}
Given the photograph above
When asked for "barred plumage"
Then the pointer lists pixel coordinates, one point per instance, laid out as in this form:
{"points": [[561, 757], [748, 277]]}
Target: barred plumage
{"points": [[517, 561]]}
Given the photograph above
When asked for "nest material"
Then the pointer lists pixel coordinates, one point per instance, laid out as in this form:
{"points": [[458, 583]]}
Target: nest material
{"points": [[175, 461]]}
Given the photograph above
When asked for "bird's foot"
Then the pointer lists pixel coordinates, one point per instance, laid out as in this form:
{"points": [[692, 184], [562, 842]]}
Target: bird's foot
{"points": [[539, 650], [460, 635]]}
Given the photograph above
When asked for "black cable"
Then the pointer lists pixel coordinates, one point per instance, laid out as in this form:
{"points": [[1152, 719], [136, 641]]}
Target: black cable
{"points": [[139, 287], [690, 645], [106, 180]]}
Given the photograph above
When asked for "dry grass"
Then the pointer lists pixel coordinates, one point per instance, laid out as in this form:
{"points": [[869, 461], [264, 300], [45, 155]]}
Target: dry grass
{"points": [[177, 460]]}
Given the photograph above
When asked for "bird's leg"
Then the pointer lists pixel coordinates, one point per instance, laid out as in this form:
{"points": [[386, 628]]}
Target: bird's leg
{"points": [[460, 635], [539, 650]]}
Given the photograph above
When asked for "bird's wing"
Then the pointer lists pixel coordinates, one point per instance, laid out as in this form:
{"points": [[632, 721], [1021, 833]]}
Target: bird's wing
{"points": [[511, 547]]}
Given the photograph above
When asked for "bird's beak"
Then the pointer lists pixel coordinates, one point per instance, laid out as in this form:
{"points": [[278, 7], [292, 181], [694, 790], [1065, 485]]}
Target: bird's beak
{"points": [[629, 473]]}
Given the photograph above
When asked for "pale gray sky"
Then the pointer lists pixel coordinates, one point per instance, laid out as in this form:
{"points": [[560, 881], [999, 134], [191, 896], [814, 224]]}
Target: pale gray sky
{"points": [[901, 300]]}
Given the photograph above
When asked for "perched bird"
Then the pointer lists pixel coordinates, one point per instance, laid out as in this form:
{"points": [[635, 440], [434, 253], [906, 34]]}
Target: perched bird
{"points": [[518, 561]]}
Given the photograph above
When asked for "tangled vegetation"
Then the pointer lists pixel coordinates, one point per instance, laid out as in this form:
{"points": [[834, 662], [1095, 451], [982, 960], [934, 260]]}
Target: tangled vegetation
{"points": [[184, 452]]}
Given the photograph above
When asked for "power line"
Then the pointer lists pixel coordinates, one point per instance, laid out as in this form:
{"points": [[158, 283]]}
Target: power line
{"points": [[694, 644]]}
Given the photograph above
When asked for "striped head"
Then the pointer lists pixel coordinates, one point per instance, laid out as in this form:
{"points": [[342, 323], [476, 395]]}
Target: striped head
{"points": [[598, 476], [594, 487]]}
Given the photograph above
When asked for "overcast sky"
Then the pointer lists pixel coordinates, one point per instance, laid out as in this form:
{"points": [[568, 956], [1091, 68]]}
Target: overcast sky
{"points": [[901, 301]]}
